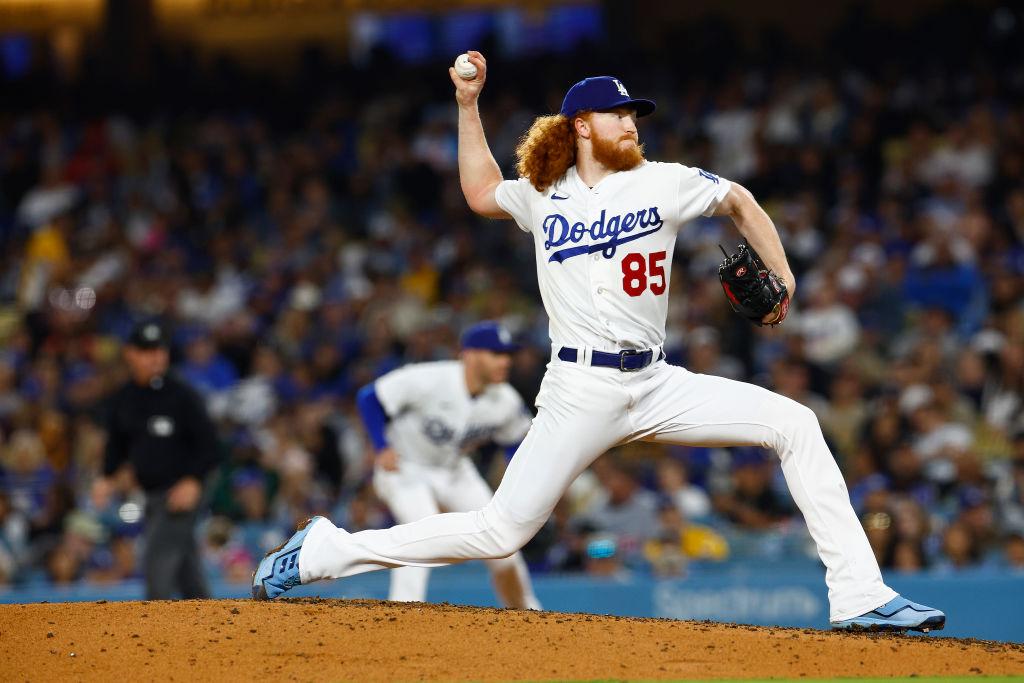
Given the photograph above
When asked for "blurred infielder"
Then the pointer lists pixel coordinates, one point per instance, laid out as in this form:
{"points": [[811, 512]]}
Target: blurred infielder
{"points": [[422, 419], [604, 223]]}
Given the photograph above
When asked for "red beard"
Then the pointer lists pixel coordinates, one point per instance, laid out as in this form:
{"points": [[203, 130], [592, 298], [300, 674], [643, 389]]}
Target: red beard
{"points": [[609, 154]]}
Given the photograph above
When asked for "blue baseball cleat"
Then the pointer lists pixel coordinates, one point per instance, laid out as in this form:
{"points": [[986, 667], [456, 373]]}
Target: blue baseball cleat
{"points": [[899, 614], [279, 569]]}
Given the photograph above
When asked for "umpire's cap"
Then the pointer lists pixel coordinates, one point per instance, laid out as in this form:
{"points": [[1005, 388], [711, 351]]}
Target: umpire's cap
{"points": [[489, 335], [149, 335], [601, 92]]}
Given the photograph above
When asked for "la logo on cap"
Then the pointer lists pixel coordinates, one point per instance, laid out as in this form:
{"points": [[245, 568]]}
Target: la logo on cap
{"points": [[622, 88], [151, 333]]}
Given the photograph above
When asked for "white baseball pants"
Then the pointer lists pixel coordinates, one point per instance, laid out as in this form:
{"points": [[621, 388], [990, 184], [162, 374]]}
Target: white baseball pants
{"points": [[416, 491], [582, 412]]}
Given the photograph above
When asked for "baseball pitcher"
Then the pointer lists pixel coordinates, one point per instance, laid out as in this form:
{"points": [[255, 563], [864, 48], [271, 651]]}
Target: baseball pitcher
{"points": [[604, 221]]}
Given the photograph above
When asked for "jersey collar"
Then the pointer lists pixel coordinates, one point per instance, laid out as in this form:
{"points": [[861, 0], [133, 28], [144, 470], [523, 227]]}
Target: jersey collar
{"points": [[573, 179]]}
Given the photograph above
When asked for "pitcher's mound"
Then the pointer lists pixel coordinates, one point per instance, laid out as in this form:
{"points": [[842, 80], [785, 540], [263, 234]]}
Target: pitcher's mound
{"points": [[338, 640]]}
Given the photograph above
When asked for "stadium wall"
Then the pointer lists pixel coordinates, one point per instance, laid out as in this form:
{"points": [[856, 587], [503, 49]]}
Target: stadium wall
{"points": [[980, 604]]}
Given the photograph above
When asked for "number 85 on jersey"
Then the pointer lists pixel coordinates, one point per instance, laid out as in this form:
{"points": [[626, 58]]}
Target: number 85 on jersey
{"points": [[641, 272]]}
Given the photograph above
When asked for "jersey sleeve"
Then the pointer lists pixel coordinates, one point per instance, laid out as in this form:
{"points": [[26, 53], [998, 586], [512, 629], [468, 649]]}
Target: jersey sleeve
{"points": [[402, 388], [700, 192], [513, 196], [518, 422]]}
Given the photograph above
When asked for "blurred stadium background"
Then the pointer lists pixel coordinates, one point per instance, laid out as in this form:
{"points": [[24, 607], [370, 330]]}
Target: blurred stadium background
{"points": [[277, 179]]}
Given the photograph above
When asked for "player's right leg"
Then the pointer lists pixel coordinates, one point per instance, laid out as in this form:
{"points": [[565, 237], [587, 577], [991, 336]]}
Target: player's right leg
{"points": [[409, 497], [582, 413]]}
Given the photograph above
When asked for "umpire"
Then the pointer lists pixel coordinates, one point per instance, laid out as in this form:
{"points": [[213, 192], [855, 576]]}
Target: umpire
{"points": [[158, 430]]}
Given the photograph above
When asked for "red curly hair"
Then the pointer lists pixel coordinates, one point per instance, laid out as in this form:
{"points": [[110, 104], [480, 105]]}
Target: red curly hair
{"points": [[546, 151]]}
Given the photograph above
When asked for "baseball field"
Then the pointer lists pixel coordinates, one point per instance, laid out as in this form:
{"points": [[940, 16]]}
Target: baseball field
{"points": [[338, 640]]}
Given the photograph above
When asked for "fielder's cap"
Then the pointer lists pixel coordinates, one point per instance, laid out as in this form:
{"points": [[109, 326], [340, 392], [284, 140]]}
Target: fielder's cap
{"points": [[602, 92], [148, 335], [490, 336]]}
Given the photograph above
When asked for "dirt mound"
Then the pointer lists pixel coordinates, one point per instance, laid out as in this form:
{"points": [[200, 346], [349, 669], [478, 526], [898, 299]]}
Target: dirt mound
{"points": [[338, 640]]}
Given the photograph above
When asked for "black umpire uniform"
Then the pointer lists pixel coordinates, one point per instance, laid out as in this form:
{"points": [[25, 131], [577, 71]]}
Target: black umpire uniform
{"points": [[160, 428]]}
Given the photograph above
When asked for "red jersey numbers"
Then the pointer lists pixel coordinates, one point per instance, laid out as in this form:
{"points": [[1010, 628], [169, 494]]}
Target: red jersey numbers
{"points": [[639, 273]]}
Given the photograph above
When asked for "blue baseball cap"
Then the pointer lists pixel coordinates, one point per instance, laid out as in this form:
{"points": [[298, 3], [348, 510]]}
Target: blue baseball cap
{"points": [[490, 336], [601, 92]]}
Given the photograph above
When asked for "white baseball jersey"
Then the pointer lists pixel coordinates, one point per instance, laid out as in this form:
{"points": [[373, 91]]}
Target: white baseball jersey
{"points": [[604, 254], [434, 419]]}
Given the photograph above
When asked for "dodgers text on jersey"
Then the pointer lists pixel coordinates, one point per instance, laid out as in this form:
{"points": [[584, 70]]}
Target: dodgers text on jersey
{"points": [[559, 232]]}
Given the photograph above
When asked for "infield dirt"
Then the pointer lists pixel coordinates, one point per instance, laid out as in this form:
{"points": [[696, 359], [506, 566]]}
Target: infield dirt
{"points": [[338, 640]]}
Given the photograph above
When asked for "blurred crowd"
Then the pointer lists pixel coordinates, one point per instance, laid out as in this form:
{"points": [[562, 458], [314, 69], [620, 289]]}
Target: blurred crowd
{"points": [[301, 247]]}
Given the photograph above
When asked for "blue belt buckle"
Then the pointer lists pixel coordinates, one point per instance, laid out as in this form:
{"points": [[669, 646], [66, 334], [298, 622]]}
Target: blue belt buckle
{"points": [[628, 353]]}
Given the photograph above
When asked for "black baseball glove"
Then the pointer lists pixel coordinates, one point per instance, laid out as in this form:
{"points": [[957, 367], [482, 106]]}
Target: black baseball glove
{"points": [[753, 291]]}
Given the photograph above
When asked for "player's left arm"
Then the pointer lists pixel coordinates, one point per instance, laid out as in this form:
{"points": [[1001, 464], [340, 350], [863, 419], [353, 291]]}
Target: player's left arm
{"points": [[756, 226]]}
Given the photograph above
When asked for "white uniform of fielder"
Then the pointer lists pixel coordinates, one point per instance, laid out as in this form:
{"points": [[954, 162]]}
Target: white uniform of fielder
{"points": [[435, 422], [604, 250]]}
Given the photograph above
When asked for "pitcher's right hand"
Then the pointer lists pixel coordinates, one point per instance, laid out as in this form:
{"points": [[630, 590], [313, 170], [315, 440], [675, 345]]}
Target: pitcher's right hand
{"points": [[467, 92]]}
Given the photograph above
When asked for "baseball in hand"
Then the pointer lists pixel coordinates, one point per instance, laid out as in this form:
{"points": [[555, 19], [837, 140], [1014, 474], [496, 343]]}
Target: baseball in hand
{"points": [[465, 68]]}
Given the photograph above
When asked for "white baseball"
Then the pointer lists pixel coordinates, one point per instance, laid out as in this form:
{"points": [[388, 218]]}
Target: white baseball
{"points": [[465, 68]]}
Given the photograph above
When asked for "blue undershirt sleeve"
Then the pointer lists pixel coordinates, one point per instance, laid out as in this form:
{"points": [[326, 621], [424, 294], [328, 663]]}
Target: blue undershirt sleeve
{"points": [[373, 414]]}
